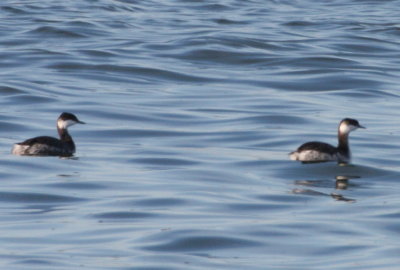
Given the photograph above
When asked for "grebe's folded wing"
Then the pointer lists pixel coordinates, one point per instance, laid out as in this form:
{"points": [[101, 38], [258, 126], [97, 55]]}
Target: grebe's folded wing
{"points": [[318, 146], [41, 140]]}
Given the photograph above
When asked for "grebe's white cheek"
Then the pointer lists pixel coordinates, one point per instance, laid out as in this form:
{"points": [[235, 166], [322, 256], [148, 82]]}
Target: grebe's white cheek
{"points": [[63, 124], [346, 128]]}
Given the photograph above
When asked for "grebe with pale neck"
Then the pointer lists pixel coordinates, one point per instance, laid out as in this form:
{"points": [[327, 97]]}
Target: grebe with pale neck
{"points": [[322, 152], [49, 146]]}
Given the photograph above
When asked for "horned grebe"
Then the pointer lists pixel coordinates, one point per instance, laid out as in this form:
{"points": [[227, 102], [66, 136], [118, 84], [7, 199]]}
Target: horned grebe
{"points": [[321, 152], [49, 146]]}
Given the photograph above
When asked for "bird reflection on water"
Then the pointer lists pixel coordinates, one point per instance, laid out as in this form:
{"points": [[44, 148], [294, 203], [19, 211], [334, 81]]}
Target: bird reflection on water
{"points": [[341, 183]]}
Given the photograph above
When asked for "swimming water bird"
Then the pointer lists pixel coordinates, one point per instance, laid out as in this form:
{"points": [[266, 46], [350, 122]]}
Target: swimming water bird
{"points": [[321, 152], [49, 146]]}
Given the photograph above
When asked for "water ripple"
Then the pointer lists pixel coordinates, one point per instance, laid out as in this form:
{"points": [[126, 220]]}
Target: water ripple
{"points": [[150, 73], [49, 31], [201, 243], [36, 198], [164, 161], [118, 216]]}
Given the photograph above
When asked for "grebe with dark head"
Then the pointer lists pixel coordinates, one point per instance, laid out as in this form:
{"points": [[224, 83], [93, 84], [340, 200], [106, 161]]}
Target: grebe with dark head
{"points": [[49, 146], [321, 152]]}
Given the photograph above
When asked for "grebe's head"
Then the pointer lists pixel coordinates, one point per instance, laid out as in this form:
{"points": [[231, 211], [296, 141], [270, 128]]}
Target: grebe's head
{"points": [[347, 125], [66, 120]]}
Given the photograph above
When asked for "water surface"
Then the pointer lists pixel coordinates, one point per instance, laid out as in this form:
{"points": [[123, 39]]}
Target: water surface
{"points": [[192, 108]]}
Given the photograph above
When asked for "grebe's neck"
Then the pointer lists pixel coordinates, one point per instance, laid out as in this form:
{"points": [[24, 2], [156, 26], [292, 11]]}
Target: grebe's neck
{"points": [[64, 135], [343, 142], [66, 138]]}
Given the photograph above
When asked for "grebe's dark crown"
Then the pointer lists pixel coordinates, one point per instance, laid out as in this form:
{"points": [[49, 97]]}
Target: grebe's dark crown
{"points": [[65, 116], [351, 122]]}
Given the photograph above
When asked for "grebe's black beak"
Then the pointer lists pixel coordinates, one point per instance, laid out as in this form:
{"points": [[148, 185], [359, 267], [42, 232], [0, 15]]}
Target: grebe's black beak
{"points": [[81, 122], [360, 126]]}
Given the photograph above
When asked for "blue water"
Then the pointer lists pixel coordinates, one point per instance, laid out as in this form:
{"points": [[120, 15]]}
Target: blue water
{"points": [[192, 108]]}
